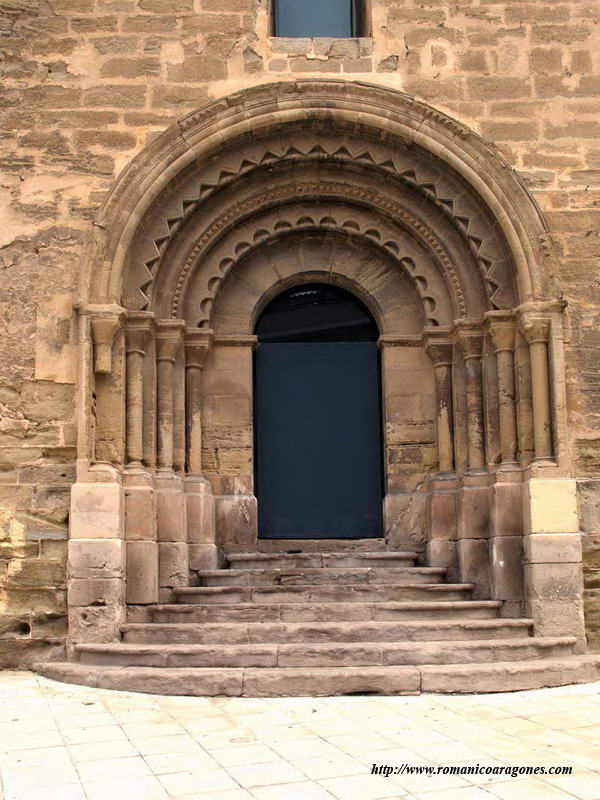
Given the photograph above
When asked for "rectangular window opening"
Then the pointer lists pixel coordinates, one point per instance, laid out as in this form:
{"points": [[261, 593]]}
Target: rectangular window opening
{"points": [[306, 19]]}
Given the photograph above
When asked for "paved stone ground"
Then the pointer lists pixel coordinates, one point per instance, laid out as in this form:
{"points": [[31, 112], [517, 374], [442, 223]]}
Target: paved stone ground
{"points": [[62, 742]]}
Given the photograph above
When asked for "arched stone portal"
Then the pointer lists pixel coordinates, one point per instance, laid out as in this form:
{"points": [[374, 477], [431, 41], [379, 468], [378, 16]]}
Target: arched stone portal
{"points": [[373, 191]]}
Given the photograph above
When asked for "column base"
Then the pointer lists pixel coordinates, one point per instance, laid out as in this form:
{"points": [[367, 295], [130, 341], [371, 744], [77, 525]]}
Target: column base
{"points": [[442, 523], [506, 542], [236, 517], [173, 565], [140, 533], [474, 565]]}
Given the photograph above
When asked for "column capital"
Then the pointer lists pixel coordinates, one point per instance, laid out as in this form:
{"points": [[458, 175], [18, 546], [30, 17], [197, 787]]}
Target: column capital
{"points": [[105, 321], [138, 327], [535, 326], [197, 343], [502, 330], [169, 338], [439, 347], [469, 336]]}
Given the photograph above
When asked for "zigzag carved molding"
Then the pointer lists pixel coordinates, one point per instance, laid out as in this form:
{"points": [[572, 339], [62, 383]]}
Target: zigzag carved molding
{"points": [[241, 249], [181, 208], [297, 190]]}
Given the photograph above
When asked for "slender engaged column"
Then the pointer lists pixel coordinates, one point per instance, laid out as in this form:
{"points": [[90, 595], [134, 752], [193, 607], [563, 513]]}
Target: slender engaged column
{"points": [[473, 498], [506, 528], [536, 332], [171, 518], [440, 352], [472, 347], [168, 342], [502, 332], [140, 509], [197, 344], [200, 503], [136, 340], [441, 510]]}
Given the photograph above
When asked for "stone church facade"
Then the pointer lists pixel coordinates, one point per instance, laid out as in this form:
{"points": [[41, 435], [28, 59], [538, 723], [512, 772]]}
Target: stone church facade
{"points": [[169, 170]]}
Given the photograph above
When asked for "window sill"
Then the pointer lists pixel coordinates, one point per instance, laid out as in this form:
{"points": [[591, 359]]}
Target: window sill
{"points": [[323, 46]]}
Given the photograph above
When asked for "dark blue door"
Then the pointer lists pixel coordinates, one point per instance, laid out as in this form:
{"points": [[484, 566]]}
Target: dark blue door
{"points": [[318, 439]]}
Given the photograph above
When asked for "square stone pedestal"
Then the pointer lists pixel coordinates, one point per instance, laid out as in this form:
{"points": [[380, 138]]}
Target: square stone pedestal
{"points": [[473, 513], [442, 525], [553, 558], [96, 562]]}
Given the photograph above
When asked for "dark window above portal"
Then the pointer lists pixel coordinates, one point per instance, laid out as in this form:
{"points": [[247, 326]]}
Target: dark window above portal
{"points": [[314, 18], [316, 312]]}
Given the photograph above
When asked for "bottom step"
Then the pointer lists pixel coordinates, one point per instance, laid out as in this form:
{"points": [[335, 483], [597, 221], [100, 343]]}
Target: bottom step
{"points": [[326, 681]]}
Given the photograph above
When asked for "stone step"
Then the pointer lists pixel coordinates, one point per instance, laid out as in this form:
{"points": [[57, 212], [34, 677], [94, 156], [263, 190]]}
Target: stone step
{"points": [[322, 559], [326, 632], [302, 593], [364, 654], [319, 545], [321, 575], [330, 681], [322, 612]]}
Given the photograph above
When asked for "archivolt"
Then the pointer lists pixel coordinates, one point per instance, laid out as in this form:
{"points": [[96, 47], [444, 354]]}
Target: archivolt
{"points": [[254, 221], [411, 142]]}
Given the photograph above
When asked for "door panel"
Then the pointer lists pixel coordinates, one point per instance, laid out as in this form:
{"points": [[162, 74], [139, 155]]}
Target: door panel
{"points": [[318, 440]]}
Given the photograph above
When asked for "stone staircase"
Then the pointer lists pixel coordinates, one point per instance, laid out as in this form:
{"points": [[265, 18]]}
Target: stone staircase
{"points": [[325, 618]]}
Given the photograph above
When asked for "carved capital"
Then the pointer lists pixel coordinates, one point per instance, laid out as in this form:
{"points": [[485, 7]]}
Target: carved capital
{"points": [[169, 338], [439, 348], [470, 338], [535, 327], [502, 330], [197, 345], [138, 327], [105, 321]]}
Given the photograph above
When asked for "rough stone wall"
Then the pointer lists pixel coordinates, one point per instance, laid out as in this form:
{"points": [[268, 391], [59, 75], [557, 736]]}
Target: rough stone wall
{"points": [[87, 83]]}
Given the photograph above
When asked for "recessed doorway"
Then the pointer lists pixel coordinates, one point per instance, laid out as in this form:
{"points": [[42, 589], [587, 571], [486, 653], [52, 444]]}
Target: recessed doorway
{"points": [[318, 450]]}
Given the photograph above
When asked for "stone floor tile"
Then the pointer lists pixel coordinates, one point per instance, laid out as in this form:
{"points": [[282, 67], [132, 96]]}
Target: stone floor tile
{"points": [[587, 734], [448, 753], [355, 745], [131, 767], [305, 748], [190, 761], [142, 788], [159, 745], [307, 790], [141, 730], [32, 740], [529, 789], [413, 784], [362, 787], [34, 757], [33, 777], [99, 718], [70, 791], [273, 772], [464, 793], [244, 754], [338, 766], [228, 794], [584, 785], [103, 733], [193, 781], [97, 751]]}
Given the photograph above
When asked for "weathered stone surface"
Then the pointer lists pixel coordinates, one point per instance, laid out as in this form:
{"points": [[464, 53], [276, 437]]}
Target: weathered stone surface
{"points": [[86, 87]]}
